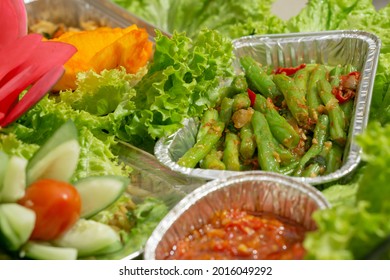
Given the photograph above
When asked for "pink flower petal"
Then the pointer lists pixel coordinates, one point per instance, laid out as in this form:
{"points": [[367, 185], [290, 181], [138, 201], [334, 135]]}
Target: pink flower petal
{"points": [[9, 93], [35, 93], [5, 109], [52, 53], [13, 20], [46, 56], [16, 52], [29, 61]]}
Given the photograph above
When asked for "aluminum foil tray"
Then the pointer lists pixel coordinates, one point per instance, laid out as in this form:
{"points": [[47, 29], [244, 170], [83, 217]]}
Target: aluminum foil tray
{"points": [[358, 48], [74, 12], [254, 191]]}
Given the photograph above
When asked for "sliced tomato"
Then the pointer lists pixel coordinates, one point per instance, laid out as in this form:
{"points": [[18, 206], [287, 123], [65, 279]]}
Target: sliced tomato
{"points": [[57, 206]]}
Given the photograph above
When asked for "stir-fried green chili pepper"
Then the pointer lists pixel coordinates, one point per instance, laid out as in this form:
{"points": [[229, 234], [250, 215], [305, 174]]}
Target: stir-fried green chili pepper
{"points": [[209, 116], [226, 110], [312, 170], [334, 159], [295, 99], [213, 160], [237, 85], [241, 101], [231, 152], [303, 135], [248, 143], [301, 78], [289, 169], [336, 115], [313, 99], [257, 78], [201, 148], [334, 75], [281, 129], [347, 108], [265, 146], [320, 134], [282, 155]]}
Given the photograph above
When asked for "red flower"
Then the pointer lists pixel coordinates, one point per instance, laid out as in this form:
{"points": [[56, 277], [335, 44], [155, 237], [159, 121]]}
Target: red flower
{"points": [[27, 62]]}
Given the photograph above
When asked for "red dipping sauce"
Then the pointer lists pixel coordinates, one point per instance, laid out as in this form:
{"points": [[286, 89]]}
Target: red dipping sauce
{"points": [[236, 234]]}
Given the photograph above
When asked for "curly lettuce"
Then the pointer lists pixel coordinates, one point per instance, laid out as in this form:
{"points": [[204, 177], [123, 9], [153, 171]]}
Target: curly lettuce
{"points": [[380, 103], [11, 145], [182, 81], [319, 15], [100, 94], [192, 16], [136, 225], [96, 158], [359, 222]]}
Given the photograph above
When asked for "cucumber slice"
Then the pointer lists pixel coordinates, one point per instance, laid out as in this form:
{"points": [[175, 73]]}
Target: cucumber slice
{"points": [[16, 225], [90, 238], [57, 158], [14, 181], [99, 192], [3, 166], [44, 251]]}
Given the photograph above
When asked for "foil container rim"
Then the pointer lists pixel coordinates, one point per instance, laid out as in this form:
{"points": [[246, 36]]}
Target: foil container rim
{"points": [[357, 126], [109, 9], [218, 184], [369, 37]]}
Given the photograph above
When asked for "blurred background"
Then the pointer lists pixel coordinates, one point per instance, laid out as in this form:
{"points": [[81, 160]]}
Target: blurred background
{"points": [[286, 11]]}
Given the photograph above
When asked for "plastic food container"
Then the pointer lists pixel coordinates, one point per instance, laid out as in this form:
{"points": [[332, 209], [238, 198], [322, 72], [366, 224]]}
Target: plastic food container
{"points": [[358, 48], [253, 192], [76, 12]]}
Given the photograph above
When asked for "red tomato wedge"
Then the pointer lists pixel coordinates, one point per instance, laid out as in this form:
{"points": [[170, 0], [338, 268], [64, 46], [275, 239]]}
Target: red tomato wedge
{"points": [[57, 207]]}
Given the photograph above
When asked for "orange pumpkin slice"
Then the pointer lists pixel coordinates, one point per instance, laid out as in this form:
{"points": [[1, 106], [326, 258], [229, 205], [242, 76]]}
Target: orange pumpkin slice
{"points": [[105, 48]]}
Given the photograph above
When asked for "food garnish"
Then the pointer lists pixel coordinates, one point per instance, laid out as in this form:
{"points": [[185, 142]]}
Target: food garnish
{"points": [[33, 65], [41, 210], [104, 48]]}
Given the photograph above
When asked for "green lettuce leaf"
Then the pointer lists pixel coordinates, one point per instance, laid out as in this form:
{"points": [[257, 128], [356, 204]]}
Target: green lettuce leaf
{"points": [[380, 103], [319, 15], [368, 19], [346, 233], [351, 230], [268, 24], [374, 186], [192, 16], [145, 218], [100, 94], [96, 158], [11, 145], [339, 194], [182, 82]]}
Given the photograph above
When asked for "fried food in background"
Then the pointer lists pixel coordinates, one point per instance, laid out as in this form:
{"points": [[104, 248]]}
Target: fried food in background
{"points": [[104, 48]]}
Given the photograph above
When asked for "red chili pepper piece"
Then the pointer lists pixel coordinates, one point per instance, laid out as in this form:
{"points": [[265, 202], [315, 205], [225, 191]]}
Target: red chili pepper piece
{"points": [[356, 74], [345, 78], [252, 96], [289, 70], [343, 95]]}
